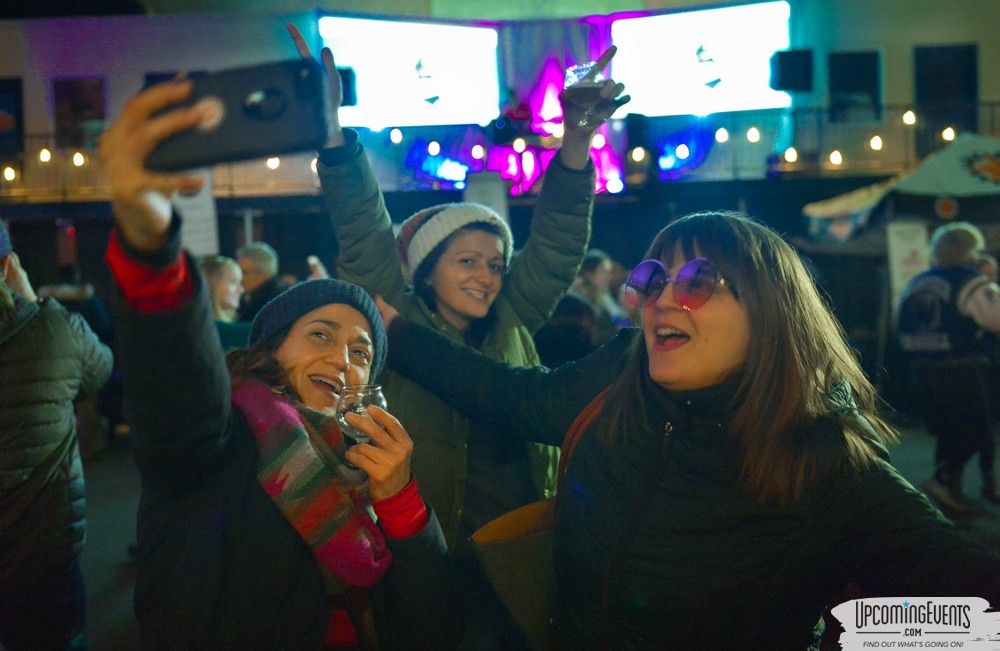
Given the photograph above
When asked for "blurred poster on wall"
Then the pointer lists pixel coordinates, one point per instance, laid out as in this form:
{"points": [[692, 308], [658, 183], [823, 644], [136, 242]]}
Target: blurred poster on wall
{"points": [[907, 246], [199, 220], [80, 111], [11, 116]]}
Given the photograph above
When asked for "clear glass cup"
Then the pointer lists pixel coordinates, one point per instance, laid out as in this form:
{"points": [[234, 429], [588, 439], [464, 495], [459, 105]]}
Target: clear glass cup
{"points": [[582, 88], [356, 398]]}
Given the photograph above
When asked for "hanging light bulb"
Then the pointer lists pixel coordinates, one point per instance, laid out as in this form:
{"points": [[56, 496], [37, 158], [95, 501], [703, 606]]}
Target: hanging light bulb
{"points": [[836, 158], [909, 118], [875, 143]]}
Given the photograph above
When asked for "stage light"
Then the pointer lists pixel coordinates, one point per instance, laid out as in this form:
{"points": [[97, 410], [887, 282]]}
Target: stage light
{"points": [[721, 135], [478, 152], [909, 118], [682, 151], [273, 163], [519, 145], [433, 148], [638, 154], [9, 174], [753, 134], [948, 134], [875, 143], [615, 185], [836, 158], [78, 159], [791, 155], [598, 141], [45, 155], [395, 136]]}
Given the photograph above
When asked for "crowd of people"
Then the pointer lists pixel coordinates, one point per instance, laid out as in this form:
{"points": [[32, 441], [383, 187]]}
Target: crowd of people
{"points": [[734, 485]]}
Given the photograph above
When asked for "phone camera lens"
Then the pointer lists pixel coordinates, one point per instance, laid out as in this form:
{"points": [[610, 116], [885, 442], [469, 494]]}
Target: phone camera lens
{"points": [[266, 104]]}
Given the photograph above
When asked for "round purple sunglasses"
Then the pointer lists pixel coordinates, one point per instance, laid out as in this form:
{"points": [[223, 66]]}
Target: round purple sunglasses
{"points": [[694, 283]]}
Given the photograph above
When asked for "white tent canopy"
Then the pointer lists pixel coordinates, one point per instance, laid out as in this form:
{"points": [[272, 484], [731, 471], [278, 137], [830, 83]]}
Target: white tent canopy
{"points": [[959, 181]]}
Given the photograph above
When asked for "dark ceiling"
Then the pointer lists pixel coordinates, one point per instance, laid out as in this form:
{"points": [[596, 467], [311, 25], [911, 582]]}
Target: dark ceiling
{"points": [[53, 8]]}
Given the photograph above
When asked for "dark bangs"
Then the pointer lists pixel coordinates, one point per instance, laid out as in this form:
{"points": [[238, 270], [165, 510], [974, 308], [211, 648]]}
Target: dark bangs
{"points": [[710, 235]]}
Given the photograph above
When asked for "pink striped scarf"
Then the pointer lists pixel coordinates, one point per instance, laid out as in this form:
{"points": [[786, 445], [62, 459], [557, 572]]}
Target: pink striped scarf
{"points": [[301, 467]]}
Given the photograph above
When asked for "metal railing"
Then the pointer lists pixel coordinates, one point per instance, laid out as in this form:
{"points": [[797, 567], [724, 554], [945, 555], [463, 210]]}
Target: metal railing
{"points": [[72, 174]]}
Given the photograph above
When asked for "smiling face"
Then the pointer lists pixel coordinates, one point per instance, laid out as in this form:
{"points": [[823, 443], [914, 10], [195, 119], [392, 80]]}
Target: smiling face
{"points": [[325, 350], [467, 277], [694, 349]]}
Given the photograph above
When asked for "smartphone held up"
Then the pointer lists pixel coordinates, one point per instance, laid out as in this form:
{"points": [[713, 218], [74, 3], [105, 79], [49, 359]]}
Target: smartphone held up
{"points": [[251, 112]]}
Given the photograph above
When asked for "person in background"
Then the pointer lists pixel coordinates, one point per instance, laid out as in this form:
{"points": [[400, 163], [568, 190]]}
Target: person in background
{"points": [[261, 281], [570, 333], [50, 358], [987, 265], [224, 280], [594, 282], [257, 525], [736, 478], [98, 417], [941, 314], [459, 276]]}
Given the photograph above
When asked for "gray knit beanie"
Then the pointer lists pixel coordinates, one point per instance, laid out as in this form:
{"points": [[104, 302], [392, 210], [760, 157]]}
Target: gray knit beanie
{"points": [[286, 308], [424, 230]]}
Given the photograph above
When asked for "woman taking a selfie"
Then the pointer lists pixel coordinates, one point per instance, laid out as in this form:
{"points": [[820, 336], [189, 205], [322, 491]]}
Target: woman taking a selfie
{"points": [[256, 523], [735, 480]]}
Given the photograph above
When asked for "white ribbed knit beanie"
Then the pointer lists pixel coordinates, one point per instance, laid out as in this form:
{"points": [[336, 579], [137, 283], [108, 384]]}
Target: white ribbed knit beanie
{"points": [[423, 231]]}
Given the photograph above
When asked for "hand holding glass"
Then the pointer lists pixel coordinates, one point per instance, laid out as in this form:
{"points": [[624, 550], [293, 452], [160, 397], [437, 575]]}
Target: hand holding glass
{"points": [[356, 398], [583, 85]]}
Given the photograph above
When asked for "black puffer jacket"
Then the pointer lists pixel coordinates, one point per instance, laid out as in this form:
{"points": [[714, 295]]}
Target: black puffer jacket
{"points": [[656, 548], [48, 358]]}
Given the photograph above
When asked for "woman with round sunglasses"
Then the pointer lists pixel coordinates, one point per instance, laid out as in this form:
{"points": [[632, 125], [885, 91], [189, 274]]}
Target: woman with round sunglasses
{"points": [[736, 479]]}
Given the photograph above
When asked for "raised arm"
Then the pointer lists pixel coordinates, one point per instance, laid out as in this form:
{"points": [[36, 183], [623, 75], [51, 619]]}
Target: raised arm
{"points": [[560, 224], [174, 375], [368, 255]]}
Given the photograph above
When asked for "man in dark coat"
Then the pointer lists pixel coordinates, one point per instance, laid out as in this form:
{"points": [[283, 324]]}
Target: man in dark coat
{"points": [[49, 358]]}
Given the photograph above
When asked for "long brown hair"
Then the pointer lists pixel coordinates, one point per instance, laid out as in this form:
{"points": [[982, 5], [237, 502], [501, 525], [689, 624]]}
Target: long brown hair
{"points": [[797, 362]]}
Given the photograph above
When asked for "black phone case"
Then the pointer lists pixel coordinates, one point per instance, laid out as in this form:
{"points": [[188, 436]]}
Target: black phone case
{"points": [[264, 110]]}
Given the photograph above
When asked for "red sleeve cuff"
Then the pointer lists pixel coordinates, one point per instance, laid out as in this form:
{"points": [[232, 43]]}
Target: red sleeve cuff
{"points": [[145, 288], [404, 514]]}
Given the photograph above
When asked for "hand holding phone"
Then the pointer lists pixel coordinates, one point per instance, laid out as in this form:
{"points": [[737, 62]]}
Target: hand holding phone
{"points": [[250, 112]]}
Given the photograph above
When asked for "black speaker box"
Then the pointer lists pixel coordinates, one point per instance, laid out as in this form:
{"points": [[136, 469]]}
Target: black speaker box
{"points": [[792, 70], [348, 85]]}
